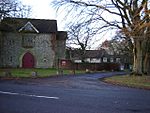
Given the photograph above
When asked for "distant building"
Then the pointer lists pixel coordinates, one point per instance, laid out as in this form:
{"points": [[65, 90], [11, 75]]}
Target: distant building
{"points": [[98, 57], [31, 43]]}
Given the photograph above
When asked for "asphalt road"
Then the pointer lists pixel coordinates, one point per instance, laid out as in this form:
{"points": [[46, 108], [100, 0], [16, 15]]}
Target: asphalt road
{"points": [[73, 94]]}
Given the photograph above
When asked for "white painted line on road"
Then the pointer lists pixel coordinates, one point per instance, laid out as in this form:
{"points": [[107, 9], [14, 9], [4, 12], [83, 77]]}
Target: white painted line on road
{"points": [[37, 96]]}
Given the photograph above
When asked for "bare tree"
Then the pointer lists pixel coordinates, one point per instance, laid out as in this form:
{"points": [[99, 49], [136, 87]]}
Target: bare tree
{"points": [[123, 44], [117, 46], [131, 17], [80, 36], [13, 8]]}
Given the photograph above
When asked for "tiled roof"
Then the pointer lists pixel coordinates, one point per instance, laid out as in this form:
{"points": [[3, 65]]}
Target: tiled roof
{"points": [[95, 53], [90, 53], [42, 25]]}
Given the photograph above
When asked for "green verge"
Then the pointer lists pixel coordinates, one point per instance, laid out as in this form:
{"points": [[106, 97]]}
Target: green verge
{"points": [[27, 73], [130, 81]]}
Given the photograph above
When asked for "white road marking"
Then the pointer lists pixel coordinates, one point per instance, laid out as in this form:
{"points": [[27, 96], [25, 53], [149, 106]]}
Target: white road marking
{"points": [[37, 96]]}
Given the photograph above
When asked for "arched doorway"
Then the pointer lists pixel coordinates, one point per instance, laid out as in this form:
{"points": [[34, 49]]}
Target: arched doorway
{"points": [[28, 60]]}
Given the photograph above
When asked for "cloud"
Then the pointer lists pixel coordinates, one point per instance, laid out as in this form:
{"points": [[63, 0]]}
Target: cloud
{"points": [[41, 9]]}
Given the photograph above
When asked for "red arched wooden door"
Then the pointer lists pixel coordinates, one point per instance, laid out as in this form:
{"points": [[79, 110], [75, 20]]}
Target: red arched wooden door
{"points": [[28, 60]]}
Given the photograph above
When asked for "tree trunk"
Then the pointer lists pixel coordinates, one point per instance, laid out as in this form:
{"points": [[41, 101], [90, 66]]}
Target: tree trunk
{"points": [[146, 64], [138, 56]]}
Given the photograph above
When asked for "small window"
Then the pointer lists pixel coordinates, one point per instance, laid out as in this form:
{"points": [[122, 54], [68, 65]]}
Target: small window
{"points": [[118, 60], [28, 27], [104, 59], [77, 61], [44, 59], [111, 60], [95, 60], [87, 60]]}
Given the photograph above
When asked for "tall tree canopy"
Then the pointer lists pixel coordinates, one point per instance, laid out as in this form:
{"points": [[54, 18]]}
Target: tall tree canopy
{"points": [[13, 8], [130, 17]]}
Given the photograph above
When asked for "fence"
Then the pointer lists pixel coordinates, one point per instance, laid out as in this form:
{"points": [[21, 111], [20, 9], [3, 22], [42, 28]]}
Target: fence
{"points": [[68, 64]]}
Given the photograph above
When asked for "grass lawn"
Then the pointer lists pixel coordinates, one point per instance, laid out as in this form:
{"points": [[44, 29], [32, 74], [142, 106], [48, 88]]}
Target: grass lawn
{"points": [[41, 72], [130, 81]]}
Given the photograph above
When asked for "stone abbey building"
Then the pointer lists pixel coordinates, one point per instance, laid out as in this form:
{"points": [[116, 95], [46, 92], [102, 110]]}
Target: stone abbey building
{"points": [[30, 43]]}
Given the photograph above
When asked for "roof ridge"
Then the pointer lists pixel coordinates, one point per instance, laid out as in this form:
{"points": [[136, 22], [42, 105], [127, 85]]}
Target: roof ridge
{"points": [[29, 19], [42, 25]]}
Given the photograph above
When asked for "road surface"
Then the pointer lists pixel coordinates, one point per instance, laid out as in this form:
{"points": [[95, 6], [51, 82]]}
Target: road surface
{"points": [[71, 94]]}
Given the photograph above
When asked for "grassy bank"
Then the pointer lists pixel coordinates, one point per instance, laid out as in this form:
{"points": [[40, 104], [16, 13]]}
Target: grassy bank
{"points": [[40, 72], [130, 81]]}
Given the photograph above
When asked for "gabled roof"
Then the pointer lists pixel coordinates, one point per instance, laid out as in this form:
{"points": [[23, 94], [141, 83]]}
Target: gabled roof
{"points": [[28, 27], [89, 54], [96, 53], [15, 24]]}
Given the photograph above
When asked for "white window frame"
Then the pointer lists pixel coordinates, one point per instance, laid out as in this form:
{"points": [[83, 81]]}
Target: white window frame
{"points": [[104, 59]]}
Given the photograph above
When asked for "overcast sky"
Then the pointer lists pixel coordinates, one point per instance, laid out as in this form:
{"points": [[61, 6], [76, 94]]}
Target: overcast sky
{"points": [[42, 9]]}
